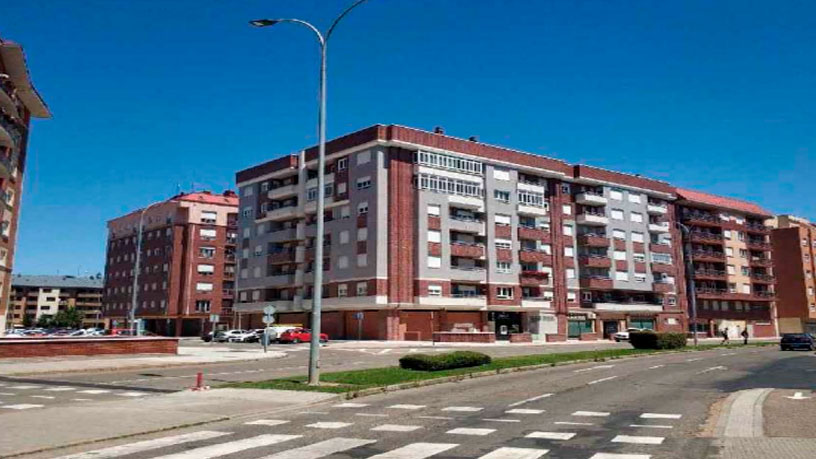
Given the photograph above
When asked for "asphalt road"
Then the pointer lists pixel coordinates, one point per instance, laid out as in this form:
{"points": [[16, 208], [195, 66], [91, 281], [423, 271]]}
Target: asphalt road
{"points": [[650, 407]]}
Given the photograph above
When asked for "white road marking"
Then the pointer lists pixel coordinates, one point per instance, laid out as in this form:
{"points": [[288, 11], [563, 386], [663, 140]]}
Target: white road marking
{"points": [[694, 359], [413, 451], [395, 428], [406, 407], [266, 422], [660, 416], [551, 435], [315, 412], [502, 420], [797, 396], [371, 415], [81, 399], [515, 453], [470, 431], [443, 418], [597, 367], [351, 405], [602, 380], [463, 409], [329, 425], [94, 391], [654, 367], [638, 440], [46, 397], [730, 353], [21, 406], [132, 394], [523, 411], [384, 351], [719, 367], [222, 449], [532, 399], [60, 389], [599, 414], [567, 423], [132, 448], [7, 394], [619, 456], [321, 449], [24, 387], [651, 426]]}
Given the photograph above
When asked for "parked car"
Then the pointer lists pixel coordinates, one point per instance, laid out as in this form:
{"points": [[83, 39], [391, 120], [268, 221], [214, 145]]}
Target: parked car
{"points": [[276, 331], [624, 335], [793, 341], [300, 335], [225, 336], [249, 336]]}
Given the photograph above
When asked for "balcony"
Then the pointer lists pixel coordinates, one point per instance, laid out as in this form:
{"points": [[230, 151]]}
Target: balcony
{"points": [[628, 306], [229, 257], [659, 227], [592, 219], [534, 278], [466, 224], [10, 135], [708, 255], [535, 256], [524, 209], [706, 238], [760, 245], [588, 198], [710, 274], [281, 256], [453, 300], [763, 295], [537, 234], [660, 248], [593, 240], [653, 208], [761, 278], [662, 268], [757, 228], [761, 262], [467, 273], [228, 293], [595, 261], [596, 282], [467, 249], [755, 313], [710, 293], [281, 213], [7, 103], [702, 219], [283, 192], [663, 287], [281, 279]]}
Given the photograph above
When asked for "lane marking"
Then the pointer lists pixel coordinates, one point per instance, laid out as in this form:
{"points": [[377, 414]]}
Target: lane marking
{"points": [[568, 423], [660, 416], [315, 412], [413, 451], [351, 405], [619, 456], [371, 415], [395, 428], [599, 414], [222, 449], [443, 418], [94, 391], [694, 359], [329, 425], [523, 411], [60, 389], [502, 420], [719, 367], [597, 367], [638, 440], [81, 399], [730, 353], [551, 435], [132, 448], [266, 422], [406, 407], [132, 394], [470, 431], [656, 367], [515, 453], [651, 426], [7, 394], [21, 406], [24, 387], [531, 399], [46, 397], [610, 378], [463, 409]]}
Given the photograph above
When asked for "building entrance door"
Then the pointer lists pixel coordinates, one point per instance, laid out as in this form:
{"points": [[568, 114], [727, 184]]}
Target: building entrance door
{"points": [[507, 323], [610, 327]]}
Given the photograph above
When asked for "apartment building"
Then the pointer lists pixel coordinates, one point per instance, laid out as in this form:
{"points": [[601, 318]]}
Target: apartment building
{"points": [[427, 232], [187, 264], [37, 296], [19, 102], [733, 268], [794, 241]]}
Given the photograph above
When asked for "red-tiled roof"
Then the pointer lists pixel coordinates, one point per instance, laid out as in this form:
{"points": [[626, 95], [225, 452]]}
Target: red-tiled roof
{"points": [[723, 202], [208, 198]]}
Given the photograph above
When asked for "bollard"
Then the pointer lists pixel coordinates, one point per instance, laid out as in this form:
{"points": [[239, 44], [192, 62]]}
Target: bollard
{"points": [[200, 382]]}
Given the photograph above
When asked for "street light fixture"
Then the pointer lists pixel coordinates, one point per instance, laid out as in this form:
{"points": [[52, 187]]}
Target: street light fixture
{"points": [[317, 294], [136, 268]]}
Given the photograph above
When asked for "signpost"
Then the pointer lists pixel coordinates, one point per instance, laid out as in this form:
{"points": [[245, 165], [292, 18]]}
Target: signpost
{"points": [[268, 319], [214, 318], [359, 317]]}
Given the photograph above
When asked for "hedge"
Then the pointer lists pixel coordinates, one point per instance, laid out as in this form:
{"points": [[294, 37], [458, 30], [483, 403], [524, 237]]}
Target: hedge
{"points": [[437, 362], [653, 340]]}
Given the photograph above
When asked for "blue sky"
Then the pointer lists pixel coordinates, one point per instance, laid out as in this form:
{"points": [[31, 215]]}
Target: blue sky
{"points": [[148, 95]]}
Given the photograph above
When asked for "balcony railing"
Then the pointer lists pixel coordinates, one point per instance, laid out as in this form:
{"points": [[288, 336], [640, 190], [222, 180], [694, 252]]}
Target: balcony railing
{"points": [[467, 295], [465, 218], [468, 268], [700, 217], [762, 277], [757, 227], [708, 254], [710, 272], [700, 235]]}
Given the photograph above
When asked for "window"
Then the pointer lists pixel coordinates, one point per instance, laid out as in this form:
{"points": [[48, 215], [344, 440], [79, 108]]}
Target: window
{"points": [[501, 174], [617, 214], [208, 216], [362, 234], [745, 271], [567, 230], [344, 237], [619, 234], [342, 262], [202, 305], [247, 212], [639, 257], [620, 255], [434, 290], [206, 270], [258, 250], [503, 267], [434, 209], [362, 208], [586, 296], [448, 162], [434, 262], [727, 234], [570, 272], [504, 244], [732, 287], [565, 188], [743, 253], [207, 234], [622, 276], [264, 187], [746, 288], [244, 253], [662, 258], [731, 269], [566, 209], [311, 194], [434, 236], [206, 252], [616, 194], [363, 157], [569, 251], [342, 290], [502, 219], [345, 212], [634, 197], [204, 286], [259, 230], [249, 191], [362, 259], [504, 293], [636, 217], [341, 188], [447, 185], [256, 272], [364, 183], [362, 288], [729, 252], [571, 297], [247, 232], [640, 277], [671, 300], [342, 164], [503, 196]]}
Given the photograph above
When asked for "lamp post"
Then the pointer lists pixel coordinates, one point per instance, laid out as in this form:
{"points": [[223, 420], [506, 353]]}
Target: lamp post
{"points": [[317, 294], [136, 268], [692, 295]]}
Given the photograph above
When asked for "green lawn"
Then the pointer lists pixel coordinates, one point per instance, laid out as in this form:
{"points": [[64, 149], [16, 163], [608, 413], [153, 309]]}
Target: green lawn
{"points": [[350, 381]]}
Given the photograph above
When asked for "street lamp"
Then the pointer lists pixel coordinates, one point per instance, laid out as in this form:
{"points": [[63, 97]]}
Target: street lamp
{"points": [[317, 294], [692, 295], [136, 268]]}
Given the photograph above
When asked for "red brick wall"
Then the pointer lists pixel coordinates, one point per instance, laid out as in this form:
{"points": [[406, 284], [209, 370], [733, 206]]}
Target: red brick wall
{"points": [[790, 276], [401, 225], [98, 346]]}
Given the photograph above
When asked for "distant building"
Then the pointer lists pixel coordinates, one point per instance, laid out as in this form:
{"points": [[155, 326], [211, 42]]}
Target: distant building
{"points": [[187, 264], [38, 296], [794, 241], [19, 102]]}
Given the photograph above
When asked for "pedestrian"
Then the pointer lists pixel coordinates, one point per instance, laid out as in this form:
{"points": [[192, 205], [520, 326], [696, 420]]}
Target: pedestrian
{"points": [[725, 336], [745, 336]]}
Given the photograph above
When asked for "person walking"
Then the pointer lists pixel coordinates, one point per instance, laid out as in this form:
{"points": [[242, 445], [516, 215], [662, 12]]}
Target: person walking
{"points": [[745, 336], [725, 336]]}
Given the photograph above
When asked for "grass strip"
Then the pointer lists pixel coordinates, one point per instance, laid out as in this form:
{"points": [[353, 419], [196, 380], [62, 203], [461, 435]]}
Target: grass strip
{"points": [[355, 380]]}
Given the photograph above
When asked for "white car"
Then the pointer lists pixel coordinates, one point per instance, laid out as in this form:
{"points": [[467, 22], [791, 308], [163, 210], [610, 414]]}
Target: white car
{"points": [[222, 337], [248, 336], [624, 335]]}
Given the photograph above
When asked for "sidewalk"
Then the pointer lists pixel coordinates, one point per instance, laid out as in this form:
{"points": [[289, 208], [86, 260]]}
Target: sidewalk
{"points": [[116, 418], [419, 345], [186, 356]]}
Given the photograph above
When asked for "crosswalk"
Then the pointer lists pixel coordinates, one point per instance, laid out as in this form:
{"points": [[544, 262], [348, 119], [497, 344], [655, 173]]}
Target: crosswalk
{"points": [[17, 397]]}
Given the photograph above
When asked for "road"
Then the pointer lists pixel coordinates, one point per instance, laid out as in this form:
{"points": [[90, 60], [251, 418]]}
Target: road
{"points": [[650, 407]]}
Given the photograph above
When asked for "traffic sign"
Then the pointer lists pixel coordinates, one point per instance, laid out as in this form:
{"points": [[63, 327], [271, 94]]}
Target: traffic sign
{"points": [[268, 319], [214, 318], [358, 315], [269, 310]]}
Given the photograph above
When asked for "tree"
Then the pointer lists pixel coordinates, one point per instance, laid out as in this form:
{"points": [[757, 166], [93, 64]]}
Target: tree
{"points": [[44, 321], [68, 318], [28, 320]]}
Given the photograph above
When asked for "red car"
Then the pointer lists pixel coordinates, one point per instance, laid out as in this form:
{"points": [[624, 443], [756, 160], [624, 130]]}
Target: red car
{"points": [[300, 335]]}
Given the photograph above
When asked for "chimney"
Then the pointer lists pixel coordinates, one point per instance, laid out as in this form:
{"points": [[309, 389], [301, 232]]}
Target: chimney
{"points": [[473, 138], [439, 130], [229, 193]]}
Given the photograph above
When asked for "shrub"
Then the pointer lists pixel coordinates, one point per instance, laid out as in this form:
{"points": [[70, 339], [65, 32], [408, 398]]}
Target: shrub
{"points": [[652, 340], [437, 362]]}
